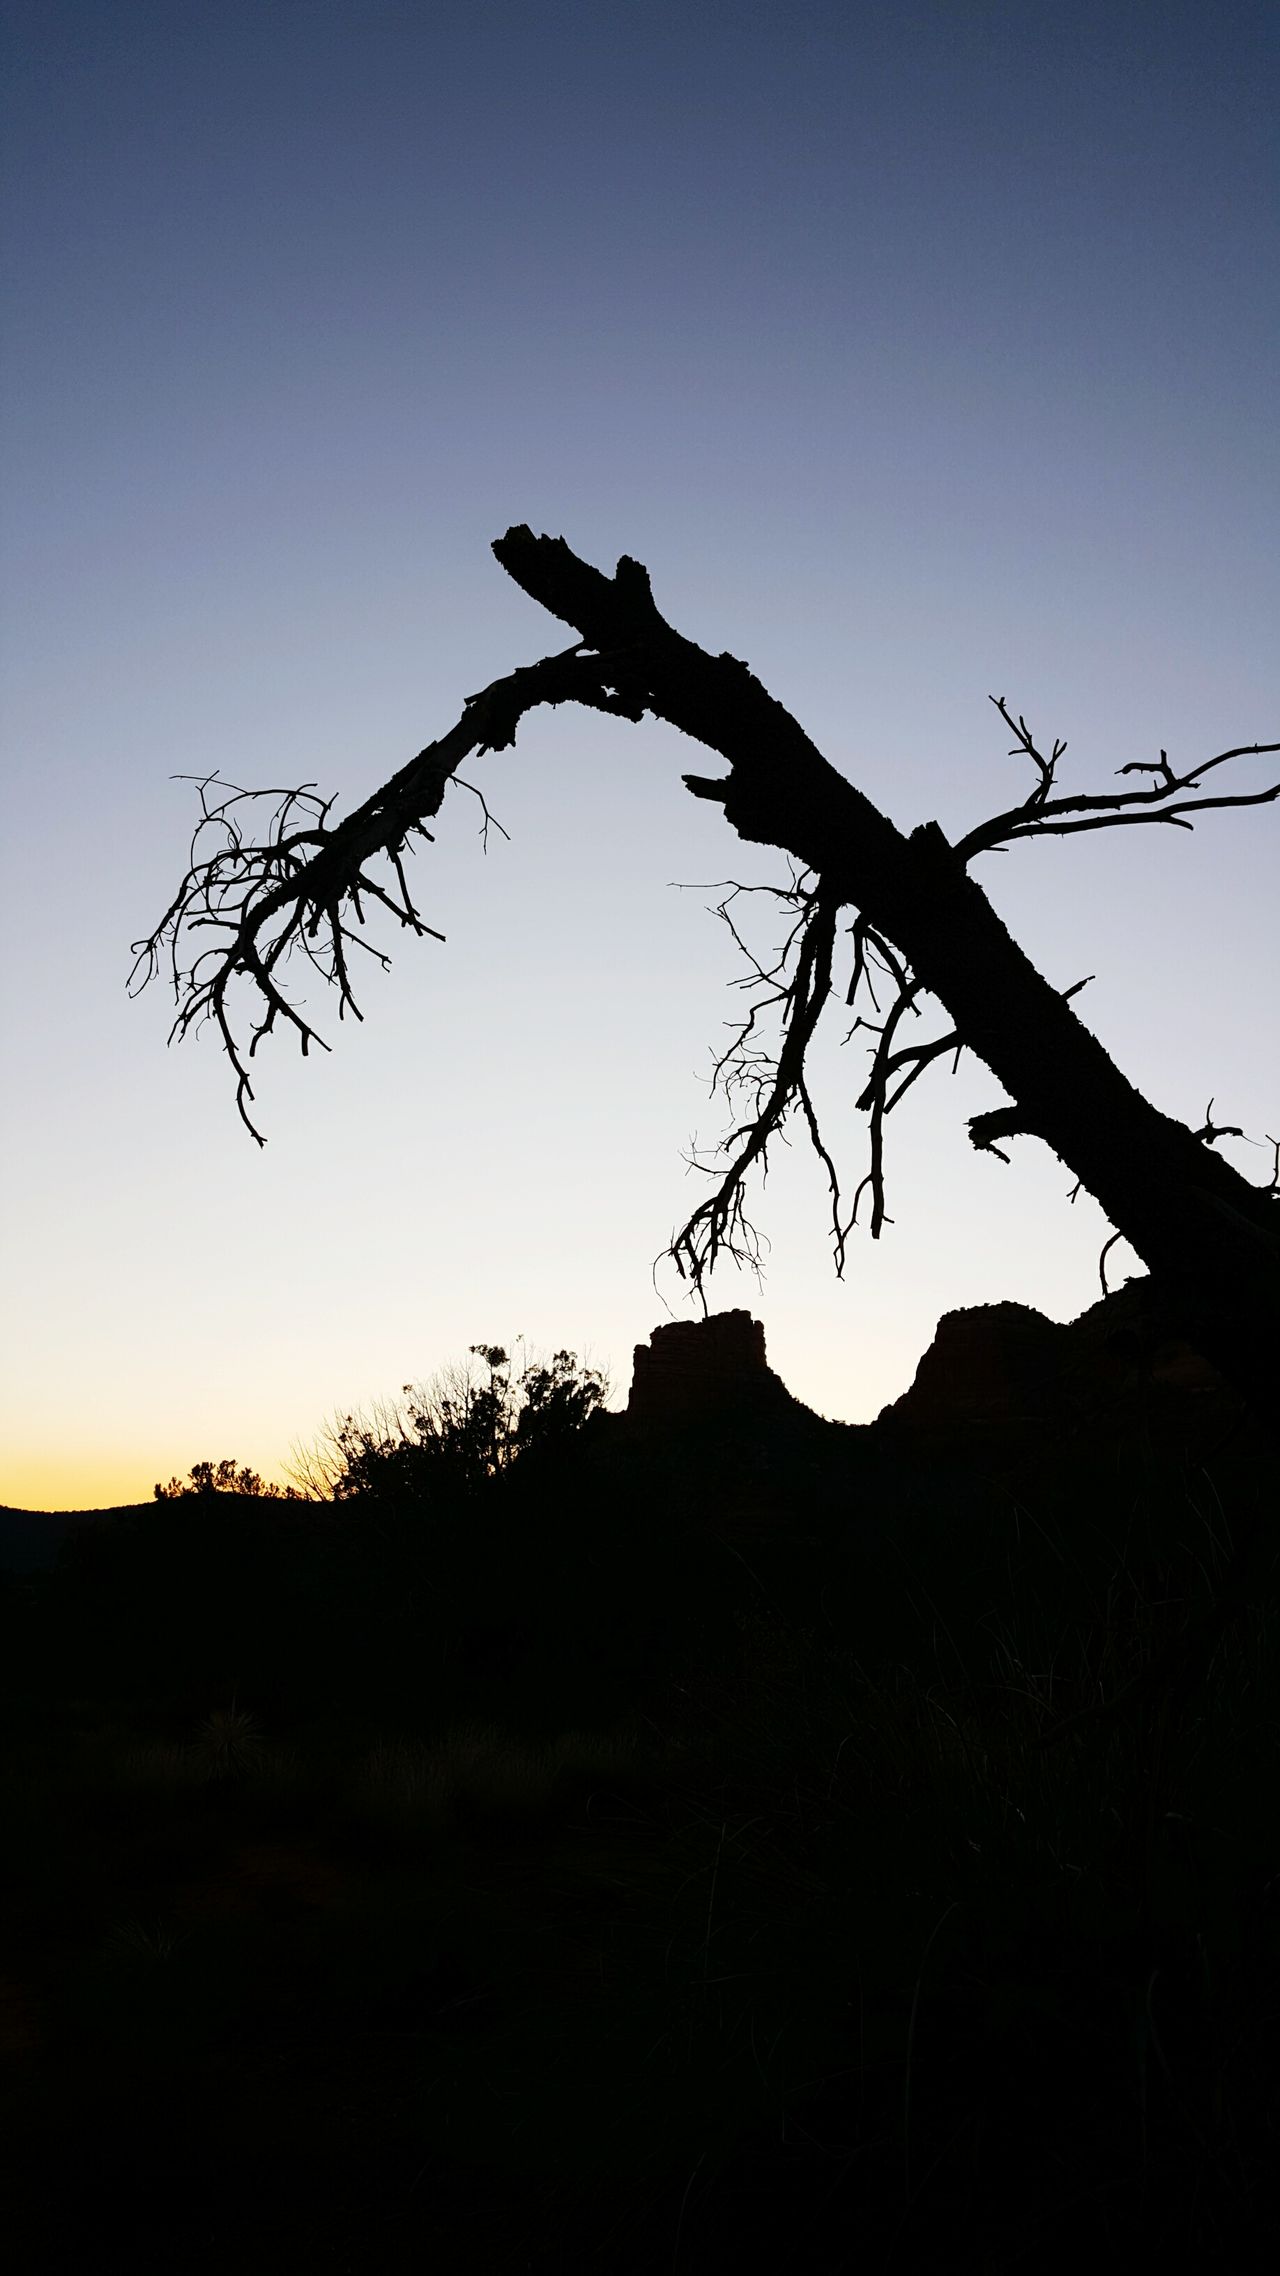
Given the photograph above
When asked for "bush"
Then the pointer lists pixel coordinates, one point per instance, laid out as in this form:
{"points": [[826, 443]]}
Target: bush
{"points": [[206, 1478], [454, 1434]]}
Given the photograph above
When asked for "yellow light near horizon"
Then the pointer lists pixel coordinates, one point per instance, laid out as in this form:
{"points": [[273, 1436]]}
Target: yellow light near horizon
{"points": [[82, 1480]]}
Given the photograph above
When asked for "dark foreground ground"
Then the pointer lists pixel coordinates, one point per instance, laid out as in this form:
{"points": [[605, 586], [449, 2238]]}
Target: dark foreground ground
{"points": [[614, 1915]]}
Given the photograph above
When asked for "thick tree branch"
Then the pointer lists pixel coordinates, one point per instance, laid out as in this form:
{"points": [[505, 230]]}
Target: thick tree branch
{"points": [[1194, 1221]]}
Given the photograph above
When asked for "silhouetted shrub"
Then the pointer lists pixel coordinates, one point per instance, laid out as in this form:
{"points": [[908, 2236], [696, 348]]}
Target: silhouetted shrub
{"points": [[223, 1478], [456, 1432]]}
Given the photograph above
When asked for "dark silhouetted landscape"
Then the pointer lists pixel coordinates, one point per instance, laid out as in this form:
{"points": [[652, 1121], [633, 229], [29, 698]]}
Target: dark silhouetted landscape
{"points": [[691, 1837], [649, 632]]}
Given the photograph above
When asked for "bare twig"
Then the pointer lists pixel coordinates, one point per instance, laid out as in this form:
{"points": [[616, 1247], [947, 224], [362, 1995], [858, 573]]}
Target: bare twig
{"points": [[775, 1083], [1041, 816], [488, 821], [1211, 1131], [1107, 1247]]}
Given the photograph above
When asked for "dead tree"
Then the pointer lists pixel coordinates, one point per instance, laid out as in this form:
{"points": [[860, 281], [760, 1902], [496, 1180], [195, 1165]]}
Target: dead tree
{"points": [[921, 925]]}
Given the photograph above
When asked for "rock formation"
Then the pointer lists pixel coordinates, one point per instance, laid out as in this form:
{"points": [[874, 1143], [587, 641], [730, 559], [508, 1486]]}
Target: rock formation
{"points": [[1001, 1380], [993, 1368], [705, 1370]]}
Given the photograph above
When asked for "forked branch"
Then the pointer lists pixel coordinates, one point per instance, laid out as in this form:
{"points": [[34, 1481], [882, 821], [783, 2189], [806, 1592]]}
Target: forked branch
{"points": [[795, 988], [296, 886], [1041, 816]]}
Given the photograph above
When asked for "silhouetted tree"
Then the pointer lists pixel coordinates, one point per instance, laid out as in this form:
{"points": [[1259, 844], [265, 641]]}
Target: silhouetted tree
{"points": [[921, 925]]}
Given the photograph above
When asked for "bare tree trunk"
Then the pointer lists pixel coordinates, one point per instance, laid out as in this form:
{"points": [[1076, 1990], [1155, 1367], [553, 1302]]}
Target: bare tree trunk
{"points": [[1208, 1237], [1210, 1240]]}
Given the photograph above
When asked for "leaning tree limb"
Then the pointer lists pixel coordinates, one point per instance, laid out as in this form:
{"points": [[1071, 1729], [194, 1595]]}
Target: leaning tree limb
{"points": [[921, 919], [296, 888]]}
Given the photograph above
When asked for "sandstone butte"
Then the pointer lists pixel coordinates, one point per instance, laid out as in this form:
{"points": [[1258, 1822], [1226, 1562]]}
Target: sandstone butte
{"points": [[1001, 1390], [998, 1381]]}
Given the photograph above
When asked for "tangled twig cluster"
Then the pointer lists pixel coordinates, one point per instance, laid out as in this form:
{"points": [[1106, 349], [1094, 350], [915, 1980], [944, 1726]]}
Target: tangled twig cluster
{"points": [[794, 986], [295, 888]]}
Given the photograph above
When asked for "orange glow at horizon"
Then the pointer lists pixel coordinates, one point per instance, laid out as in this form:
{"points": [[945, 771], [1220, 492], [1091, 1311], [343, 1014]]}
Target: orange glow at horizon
{"points": [[88, 1480]]}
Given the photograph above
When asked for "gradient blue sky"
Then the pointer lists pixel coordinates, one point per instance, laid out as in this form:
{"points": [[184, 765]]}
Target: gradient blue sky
{"points": [[921, 351]]}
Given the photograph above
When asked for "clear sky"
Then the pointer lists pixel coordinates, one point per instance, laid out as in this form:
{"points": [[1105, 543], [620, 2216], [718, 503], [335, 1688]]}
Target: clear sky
{"points": [[922, 351]]}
